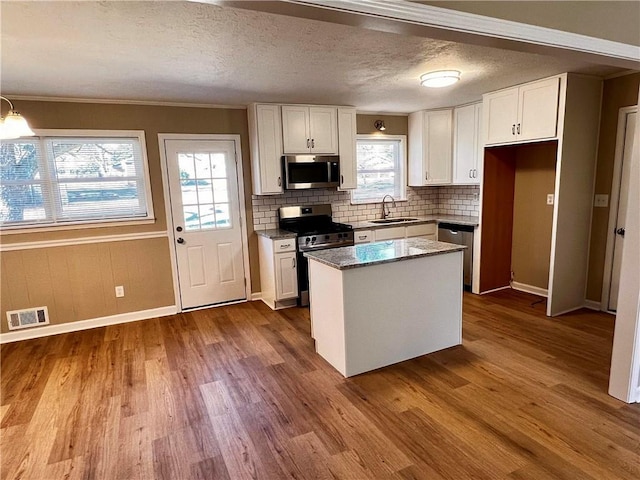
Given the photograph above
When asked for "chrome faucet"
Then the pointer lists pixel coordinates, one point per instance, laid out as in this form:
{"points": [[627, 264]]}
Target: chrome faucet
{"points": [[385, 210]]}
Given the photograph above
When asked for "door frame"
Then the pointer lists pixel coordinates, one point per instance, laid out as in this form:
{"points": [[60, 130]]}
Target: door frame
{"points": [[162, 138], [613, 204]]}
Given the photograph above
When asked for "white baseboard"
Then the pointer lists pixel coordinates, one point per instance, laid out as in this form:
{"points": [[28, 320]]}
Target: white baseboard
{"points": [[637, 396], [256, 296], [523, 287], [87, 324], [495, 290], [593, 305]]}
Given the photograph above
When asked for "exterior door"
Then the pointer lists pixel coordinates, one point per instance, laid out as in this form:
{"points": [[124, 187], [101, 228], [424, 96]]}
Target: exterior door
{"points": [[205, 209], [621, 214]]}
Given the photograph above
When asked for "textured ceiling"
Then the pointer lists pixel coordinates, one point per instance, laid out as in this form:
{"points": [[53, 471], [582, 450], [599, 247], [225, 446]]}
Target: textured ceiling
{"points": [[200, 53]]}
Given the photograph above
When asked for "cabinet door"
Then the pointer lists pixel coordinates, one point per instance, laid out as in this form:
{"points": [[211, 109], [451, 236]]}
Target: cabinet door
{"points": [[323, 130], [265, 130], [286, 276], [465, 154], [347, 147], [425, 230], [295, 129], [363, 236], [438, 133], [538, 110], [500, 116], [389, 233]]}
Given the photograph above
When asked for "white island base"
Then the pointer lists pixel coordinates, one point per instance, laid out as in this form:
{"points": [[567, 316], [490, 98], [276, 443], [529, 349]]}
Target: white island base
{"points": [[376, 315]]}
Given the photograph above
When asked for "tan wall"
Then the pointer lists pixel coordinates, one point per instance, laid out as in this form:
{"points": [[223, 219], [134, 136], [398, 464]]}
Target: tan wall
{"points": [[394, 124], [77, 282], [532, 217], [618, 92], [622, 17]]}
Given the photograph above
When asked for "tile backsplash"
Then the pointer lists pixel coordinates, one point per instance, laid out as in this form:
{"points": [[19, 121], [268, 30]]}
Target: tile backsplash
{"points": [[421, 201]]}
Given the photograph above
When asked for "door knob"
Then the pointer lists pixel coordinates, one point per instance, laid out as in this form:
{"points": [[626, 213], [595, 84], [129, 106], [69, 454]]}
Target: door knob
{"points": [[620, 231], [178, 229], [180, 240]]}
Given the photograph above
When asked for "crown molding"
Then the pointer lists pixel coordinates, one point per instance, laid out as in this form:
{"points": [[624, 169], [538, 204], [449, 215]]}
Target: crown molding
{"points": [[469, 23], [40, 98]]}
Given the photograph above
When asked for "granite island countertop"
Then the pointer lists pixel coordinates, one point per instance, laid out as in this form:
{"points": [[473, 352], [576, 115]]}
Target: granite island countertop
{"points": [[387, 251], [440, 218]]}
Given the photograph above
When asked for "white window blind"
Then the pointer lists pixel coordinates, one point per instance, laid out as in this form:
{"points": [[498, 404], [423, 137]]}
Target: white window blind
{"points": [[67, 179]]}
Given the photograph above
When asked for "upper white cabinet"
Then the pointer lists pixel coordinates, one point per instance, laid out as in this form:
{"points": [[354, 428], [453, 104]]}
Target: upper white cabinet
{"points": [[524, 113], [347, 147], [467, 144], [430, 138], [308, 129], [265, 136]]}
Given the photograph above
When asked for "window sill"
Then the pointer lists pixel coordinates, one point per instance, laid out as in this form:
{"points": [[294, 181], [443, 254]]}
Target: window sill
{"points": [[19, 229]]}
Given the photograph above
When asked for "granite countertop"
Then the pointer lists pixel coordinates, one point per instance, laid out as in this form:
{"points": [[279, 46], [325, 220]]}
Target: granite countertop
{"points": [[456, 219], [276, 234], [376, 253]]}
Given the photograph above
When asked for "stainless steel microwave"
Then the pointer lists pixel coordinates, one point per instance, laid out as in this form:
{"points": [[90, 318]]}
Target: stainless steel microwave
{"points": [[311, 171]]}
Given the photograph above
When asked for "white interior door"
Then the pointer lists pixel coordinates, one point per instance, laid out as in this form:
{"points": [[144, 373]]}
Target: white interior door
{"points": [[205, 208], [618, 242]]}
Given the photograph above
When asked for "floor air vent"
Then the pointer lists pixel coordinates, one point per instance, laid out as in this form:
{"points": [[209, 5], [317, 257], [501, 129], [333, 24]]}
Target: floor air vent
{"points": [[27, 318]]}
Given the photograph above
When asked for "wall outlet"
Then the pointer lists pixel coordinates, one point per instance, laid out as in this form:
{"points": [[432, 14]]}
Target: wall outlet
{"points": [[476, 197], [550, 199], [119, 291], [601, 200]]}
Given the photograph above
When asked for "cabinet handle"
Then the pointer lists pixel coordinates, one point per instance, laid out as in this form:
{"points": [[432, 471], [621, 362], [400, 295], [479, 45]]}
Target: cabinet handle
{"points": [[293, 262], [362, 237], [475, 172], [279, 181], [308, 143], [285, 245], [518, 129], [426, 175], [341, 179], [471, 173], [313, 143], [513, 129]]}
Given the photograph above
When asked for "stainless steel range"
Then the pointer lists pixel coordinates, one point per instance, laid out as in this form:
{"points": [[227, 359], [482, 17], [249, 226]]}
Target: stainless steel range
{"points": [[316, 231]]}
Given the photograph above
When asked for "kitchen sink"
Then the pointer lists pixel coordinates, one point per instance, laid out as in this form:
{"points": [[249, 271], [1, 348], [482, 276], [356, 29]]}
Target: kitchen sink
{"points": [[393, 220]]}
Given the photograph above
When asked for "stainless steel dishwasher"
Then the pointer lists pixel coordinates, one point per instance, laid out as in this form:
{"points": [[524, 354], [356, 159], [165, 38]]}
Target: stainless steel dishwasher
{"points": [[460, 235]]}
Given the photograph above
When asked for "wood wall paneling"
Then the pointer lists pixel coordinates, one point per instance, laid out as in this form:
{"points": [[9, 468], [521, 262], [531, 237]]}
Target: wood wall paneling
{"points": [[497, 217]]}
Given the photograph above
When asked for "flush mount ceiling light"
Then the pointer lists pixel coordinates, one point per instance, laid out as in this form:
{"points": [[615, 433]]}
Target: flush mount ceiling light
{"points": [[379, 125], [441, 78], [14, 125]]}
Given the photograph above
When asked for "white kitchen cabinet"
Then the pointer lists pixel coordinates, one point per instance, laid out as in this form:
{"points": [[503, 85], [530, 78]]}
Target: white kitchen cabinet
{"points": [[278, 271], [265, 137], [347, 132], [467, 144], [390, 233], [523, 113], [423, 230], [430, 138], [309, 130], [363, 236]]}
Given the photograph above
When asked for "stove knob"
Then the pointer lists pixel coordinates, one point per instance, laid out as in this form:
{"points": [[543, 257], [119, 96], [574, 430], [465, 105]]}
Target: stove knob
{"points": [[326, 237], [313, 239], [307, 240]]}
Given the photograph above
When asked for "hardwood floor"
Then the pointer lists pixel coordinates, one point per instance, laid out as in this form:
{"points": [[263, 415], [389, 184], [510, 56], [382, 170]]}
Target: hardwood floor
{"points": [[238, 392]]}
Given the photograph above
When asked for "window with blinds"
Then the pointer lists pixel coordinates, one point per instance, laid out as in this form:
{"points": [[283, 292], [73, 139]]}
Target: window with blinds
{"points": [[65, 178]]}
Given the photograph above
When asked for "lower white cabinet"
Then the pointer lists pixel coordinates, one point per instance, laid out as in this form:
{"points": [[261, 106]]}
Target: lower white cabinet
{"points": [[278, 271], [423, 230], [363, 236]]}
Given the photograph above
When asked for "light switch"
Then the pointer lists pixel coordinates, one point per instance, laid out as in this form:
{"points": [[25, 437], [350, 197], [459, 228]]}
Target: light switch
{"points": [[550, 199], [601, 200]]}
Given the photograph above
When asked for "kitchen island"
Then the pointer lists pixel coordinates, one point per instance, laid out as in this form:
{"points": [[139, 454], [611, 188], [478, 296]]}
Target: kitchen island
{"points": [[380, 303]]}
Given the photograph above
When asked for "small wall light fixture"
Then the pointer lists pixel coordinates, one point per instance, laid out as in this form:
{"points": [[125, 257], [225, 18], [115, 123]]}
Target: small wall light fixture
{"points": [[379, 125], [441, 78], [14, 125]]}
